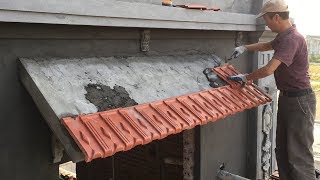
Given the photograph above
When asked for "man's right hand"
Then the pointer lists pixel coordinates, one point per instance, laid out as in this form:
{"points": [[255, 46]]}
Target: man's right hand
{"points": [[238, 78], [237, 51]]}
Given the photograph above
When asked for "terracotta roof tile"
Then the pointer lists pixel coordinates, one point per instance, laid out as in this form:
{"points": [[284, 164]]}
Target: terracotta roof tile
{"points": [[102, 134]]}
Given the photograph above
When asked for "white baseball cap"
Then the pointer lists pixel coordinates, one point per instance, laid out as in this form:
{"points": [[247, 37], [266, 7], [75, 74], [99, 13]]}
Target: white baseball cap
{"points": [[273, 6]]}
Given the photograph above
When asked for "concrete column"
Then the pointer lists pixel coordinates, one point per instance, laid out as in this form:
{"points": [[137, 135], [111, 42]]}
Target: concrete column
{"points": [[263, 119]]}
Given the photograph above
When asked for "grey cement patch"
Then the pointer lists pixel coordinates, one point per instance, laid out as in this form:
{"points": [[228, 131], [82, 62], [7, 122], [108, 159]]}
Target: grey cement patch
{"points": [[213, 78], [146, 79], [105, 98]]}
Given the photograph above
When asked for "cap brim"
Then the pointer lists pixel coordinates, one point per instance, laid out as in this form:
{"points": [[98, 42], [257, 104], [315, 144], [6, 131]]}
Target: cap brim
{"points": [[260, 15]]}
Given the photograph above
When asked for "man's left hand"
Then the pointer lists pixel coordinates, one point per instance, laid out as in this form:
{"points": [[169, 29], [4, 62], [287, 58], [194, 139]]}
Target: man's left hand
{"points": [[238, 78]]}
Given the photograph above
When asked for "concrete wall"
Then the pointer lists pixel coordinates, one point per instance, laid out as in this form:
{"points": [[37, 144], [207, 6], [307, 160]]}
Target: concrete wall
{"points": [[238, 6], [129, 14], [25, 138], [224, 141]]}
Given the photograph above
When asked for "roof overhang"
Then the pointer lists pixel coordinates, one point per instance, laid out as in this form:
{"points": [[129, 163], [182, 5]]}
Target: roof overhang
{"points": [[71, 87], [157, 96]]}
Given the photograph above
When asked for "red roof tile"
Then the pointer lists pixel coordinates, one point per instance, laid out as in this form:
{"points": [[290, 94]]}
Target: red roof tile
{"points": [[102, 134]]}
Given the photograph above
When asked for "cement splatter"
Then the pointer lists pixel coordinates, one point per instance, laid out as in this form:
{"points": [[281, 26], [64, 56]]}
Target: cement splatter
{"points": [[213, 78], [106, 98]]}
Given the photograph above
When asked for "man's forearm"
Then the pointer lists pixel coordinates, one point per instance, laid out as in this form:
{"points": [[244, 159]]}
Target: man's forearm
{"points": [[265, 70], [265, 46], [258, 74]]}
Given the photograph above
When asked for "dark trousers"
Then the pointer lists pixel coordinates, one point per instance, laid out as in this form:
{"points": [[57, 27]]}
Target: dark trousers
{"points": [[295, 137]]}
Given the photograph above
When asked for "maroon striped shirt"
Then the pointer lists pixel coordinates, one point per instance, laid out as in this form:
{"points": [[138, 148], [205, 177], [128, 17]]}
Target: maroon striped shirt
{"points": [[291, 49]]}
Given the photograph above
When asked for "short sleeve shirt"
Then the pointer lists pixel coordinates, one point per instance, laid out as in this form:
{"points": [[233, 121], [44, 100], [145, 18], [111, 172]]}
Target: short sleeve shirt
{"points": [[291, 49]]}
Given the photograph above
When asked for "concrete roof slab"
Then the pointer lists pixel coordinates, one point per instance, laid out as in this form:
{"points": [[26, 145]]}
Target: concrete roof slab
{"points": [[71, 87], [103, 134]]}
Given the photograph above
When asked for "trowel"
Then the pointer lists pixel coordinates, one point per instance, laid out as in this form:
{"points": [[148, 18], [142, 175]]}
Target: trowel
{"points": [[228, 59], [212, 77], [221, 62]]}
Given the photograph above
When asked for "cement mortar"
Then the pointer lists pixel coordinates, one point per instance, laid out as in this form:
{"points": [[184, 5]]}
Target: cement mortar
{"points": [[146, 79], [105, 98]]}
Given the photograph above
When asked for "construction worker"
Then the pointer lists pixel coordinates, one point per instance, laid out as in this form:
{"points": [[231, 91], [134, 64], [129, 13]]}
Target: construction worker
{"points": [[297, 102]]}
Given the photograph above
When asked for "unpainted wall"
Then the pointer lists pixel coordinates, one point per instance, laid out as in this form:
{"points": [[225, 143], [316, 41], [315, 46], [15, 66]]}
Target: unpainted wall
{"points": [[25, 138], [236, 6]]}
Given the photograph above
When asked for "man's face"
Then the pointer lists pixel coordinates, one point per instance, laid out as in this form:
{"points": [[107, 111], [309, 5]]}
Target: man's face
{"points": [[272, 23]]}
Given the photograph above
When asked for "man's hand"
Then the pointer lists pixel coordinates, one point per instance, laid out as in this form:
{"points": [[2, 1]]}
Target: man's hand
{"points": [[237, 51], [238, 78]]}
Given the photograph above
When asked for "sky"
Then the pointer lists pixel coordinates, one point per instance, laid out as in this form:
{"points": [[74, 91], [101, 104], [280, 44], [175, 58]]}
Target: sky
{"points": [[306, 15]]}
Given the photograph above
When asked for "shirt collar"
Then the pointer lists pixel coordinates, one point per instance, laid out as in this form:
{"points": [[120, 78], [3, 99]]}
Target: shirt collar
{"points": [[286, 32]]}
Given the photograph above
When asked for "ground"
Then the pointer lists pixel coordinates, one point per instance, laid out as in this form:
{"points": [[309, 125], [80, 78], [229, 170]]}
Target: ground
{"points": [[316, 145], [315, 81], [318, 107]]}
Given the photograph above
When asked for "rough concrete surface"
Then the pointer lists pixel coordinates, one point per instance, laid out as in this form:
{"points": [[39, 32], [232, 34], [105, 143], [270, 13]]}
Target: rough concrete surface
{"points": [[63, 82], [242, 6], [236, 15]]}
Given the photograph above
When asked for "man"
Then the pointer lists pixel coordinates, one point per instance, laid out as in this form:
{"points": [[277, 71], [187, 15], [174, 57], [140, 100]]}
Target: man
{"points": [[296, 105]]}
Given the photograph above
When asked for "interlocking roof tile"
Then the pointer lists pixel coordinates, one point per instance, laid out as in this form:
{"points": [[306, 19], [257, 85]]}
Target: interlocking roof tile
{"points": [[102, 134]]}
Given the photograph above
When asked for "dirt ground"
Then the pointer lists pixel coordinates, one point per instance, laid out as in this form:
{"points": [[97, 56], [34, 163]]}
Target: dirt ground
{"points": [[316, 145], [318, 107], [315, 82]]}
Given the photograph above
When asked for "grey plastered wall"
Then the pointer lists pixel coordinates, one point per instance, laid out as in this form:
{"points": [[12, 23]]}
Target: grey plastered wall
{"points": [[269, 85], [225, 142], [25, 137], [234, 15], [228, 141], [238, 6]]}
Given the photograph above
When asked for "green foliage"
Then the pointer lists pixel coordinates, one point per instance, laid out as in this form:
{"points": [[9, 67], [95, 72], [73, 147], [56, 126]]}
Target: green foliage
{"points": [[316, 87], [314, 70], [314, 58]]}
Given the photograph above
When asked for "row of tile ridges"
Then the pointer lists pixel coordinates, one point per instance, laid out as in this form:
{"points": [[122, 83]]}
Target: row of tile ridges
{"points": [[103, 134]]}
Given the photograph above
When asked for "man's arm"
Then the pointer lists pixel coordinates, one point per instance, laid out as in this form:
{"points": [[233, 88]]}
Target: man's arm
{"points": [[264, 71], [263, 46]]}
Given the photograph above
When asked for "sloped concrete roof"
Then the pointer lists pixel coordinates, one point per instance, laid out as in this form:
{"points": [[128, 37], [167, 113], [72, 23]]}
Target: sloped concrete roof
{"points": [[65, 87], [103, 134]]}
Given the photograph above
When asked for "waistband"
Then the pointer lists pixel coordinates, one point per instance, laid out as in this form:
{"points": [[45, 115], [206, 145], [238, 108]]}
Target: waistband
{"points": [[299, 93]]}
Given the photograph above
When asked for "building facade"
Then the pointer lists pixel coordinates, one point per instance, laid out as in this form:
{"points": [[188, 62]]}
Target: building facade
{"points": [[130, 35]]}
